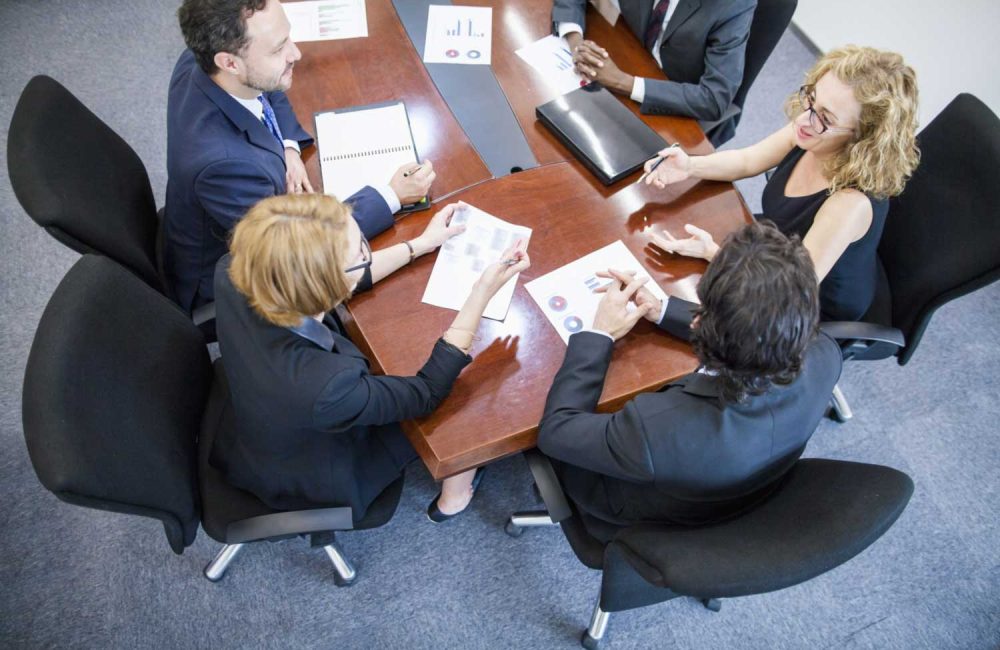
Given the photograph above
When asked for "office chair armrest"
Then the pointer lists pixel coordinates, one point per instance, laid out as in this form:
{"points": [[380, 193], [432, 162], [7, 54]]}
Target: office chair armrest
{"points": [[284, 524], [203, 314], [864, 340], [548, 486]]}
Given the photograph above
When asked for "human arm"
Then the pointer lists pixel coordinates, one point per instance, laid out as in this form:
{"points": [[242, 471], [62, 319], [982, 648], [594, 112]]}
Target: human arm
{"points": [[355, 397], [228, 188], [673, 315], [371, 211], [730, 165], [412, 181], [388, 260], [568, 15], [612, 444], [842, 219]]}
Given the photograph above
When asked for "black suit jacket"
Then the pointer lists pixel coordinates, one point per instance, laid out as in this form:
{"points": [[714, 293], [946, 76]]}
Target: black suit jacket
{"points": [[314, 427], [678, 455], [703, 50]]}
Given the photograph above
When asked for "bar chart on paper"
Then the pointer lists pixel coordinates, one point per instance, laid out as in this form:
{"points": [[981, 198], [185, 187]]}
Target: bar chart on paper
{"points": [[457, 34], [326, 20], [551, 58]]}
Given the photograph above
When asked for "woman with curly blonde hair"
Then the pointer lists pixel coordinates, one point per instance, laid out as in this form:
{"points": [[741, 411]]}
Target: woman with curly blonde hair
{"points": [[850, 145]]}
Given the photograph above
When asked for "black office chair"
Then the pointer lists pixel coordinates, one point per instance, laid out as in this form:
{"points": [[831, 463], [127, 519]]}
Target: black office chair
{"points": [[82, 183], [770, 20], [941, 239], [824, 513], [120, 407]]}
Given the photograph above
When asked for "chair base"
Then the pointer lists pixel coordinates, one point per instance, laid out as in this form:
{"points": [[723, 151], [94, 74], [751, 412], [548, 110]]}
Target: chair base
{"points": [[592, 636], [840, 410], [520, 520], [216, 569], [712, 604], [344, 574]]}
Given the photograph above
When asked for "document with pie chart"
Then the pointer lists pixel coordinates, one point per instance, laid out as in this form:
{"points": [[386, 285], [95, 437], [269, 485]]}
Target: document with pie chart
{"points": [[566, 296], [458, 34]]}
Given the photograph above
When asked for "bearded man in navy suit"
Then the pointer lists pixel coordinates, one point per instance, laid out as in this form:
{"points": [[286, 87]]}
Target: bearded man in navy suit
{"points": [[233, 139]]}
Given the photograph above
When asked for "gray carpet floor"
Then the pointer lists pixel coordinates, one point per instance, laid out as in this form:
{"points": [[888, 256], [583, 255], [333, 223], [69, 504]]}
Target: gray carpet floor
{"points": [[79, 578]]}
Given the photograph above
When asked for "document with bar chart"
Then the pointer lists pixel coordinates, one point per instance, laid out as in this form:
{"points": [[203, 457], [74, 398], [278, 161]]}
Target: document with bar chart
{"points": [[566, 296], [551, 58], [458, 34]]}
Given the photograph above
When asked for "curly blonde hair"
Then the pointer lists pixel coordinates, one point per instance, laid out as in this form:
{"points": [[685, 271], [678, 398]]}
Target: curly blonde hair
{"points": [[884, 151], [288, 253]]}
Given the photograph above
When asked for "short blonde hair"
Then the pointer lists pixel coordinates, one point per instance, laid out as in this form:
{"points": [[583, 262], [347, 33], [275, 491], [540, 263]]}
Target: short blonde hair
{"points": [[288, 256], [884, 152]]}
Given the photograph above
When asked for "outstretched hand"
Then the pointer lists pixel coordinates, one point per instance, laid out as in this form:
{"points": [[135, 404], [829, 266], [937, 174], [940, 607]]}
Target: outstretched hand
{"points": [[674, 168], [640, 298], [699, 244]]}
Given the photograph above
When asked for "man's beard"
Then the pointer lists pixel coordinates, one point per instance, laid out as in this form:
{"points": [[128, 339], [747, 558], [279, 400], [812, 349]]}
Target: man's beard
{"points": [[267, 85]]}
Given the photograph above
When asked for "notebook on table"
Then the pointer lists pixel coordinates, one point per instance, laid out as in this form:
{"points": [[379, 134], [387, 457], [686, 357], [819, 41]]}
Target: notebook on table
{"points": [[362, 145], [605, 135]]}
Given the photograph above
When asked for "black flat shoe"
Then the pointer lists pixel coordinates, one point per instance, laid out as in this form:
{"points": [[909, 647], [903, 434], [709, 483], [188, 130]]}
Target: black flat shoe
{"points": [[436, 516]]}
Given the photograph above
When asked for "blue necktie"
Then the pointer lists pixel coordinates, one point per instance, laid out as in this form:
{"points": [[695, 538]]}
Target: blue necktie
{"points": [[270, 121]]}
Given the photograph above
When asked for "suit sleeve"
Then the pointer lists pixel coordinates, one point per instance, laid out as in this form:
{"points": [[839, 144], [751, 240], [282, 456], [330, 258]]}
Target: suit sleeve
{"points": [[287, 122], [370, 211], [355, 397], [677, 318], [710, 98], [569, 11], [610, 444], [228, 188]]}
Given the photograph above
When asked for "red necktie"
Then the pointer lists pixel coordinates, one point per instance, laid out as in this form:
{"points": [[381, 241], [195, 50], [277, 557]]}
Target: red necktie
{"points": [[655, 26]]}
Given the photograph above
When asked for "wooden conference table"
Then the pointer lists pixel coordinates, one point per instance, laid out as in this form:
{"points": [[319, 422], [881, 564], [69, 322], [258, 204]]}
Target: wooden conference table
{"points": [[494, 408]]}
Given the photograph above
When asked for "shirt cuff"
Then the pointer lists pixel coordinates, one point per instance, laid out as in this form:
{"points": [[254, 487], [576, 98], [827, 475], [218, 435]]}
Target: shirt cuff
{"points": [[663, 309], [569, 28], [292, 144], [389, 197], [638, 89], [601, 332]]}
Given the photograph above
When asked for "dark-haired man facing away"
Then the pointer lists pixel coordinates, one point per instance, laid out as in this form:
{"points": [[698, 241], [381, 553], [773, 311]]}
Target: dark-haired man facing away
{"points": [[232, 139], [714, 443]]}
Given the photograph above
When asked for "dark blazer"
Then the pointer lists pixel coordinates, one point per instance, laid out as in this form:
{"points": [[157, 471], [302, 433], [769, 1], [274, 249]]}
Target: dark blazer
{"points": [[314, 427], [678, 455], [702, 51], [221, 161]]}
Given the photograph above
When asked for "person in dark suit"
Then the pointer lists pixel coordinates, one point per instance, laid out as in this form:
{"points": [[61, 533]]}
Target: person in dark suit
{"points": [[700, 44], [850, 144], [314, 426], [232, 139], [714, 443]]}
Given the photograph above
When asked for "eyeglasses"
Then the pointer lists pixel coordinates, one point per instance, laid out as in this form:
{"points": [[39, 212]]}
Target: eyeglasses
{"points": [[366, 255], [807, 98]]}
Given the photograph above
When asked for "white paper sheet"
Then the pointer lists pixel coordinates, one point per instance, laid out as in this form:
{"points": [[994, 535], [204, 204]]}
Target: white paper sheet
{"points": [[357, 148], [566, 296], [458, 34], [551, 57], [326, 20], [462, 258]]}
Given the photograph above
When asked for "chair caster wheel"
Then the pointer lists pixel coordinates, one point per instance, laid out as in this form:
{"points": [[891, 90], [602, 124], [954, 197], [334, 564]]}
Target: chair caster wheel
{"points": [[713, 604], [589, 642], [343, 582], [835, 415], [513, 529]]}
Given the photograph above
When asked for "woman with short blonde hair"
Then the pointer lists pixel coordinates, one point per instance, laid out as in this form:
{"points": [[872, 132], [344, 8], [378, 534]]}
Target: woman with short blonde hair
{"points": [[315, 427], [849, 146]]}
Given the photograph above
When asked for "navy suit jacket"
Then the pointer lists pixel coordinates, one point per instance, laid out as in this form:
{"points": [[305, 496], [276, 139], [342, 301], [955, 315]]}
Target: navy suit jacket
{"points": [[221, 160], [314, 426], [703, 50], [680, 454]]}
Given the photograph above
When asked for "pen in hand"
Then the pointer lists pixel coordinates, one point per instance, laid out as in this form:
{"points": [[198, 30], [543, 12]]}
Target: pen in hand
{"points": [[412, 171], [656, 164]]}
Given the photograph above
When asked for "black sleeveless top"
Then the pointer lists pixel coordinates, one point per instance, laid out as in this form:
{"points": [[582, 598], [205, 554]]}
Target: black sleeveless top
{"points": [[847, 290]]}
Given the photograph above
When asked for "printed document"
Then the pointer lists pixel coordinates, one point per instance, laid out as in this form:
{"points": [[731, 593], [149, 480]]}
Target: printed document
{"points": [[462, 259], [457, 34], [326, 20], [566, 296], [551, 58]]}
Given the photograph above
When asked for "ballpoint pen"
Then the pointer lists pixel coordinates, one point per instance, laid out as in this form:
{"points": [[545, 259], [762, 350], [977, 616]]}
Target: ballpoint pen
{"points": [[656, 164], [413, 171]]}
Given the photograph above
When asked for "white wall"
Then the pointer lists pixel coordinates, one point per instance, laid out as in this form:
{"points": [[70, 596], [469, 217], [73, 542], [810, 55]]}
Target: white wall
{"points": [[954, 46]]}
